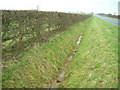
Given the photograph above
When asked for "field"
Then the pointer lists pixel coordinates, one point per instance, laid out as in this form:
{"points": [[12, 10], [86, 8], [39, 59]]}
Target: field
{"points": [[94, 65]]}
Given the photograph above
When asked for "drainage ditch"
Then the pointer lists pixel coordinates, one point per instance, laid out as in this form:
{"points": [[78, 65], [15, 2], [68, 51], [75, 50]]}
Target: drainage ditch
{"points": [[61, 76]]}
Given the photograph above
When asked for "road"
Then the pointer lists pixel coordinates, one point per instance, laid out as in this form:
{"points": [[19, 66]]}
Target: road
{"points": [[113, 21]]}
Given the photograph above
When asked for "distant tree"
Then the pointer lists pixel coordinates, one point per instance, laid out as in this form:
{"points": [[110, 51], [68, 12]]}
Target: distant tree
{"points": [[83, 13], [91, 13], [109, 14], [101, 14]]}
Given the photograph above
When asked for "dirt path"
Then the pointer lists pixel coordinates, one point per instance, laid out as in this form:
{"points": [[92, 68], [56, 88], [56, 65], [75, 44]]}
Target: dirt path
{"points": [[56, 83]]}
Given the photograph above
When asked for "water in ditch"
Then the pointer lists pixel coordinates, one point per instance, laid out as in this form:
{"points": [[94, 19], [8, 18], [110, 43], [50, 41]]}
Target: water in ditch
{"points": [[61, 76]]}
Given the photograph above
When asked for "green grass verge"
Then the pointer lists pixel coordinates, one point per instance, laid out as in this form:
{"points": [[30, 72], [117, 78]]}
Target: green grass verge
{"points": [[95, 65], [38, 67]]}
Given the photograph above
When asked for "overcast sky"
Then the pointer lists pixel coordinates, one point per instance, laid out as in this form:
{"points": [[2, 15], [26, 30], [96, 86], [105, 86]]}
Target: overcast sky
{"points": [[96, 6]]}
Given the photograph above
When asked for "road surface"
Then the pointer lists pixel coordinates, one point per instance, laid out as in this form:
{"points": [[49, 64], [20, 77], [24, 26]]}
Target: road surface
{"points": [[113, 21]]}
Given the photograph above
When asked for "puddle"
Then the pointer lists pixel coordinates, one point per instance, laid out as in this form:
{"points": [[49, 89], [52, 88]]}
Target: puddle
{"points": [[59, 79], [53, 87], [80, 38], [61, 76], [70, 58]]}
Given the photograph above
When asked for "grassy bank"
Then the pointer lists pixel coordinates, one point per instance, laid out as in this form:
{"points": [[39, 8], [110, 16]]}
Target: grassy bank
{"points": [[41, 64], [95, 65]]}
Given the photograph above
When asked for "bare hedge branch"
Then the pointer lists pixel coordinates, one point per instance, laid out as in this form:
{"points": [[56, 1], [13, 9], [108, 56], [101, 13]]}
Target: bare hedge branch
{"points": [[24, 28]]}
